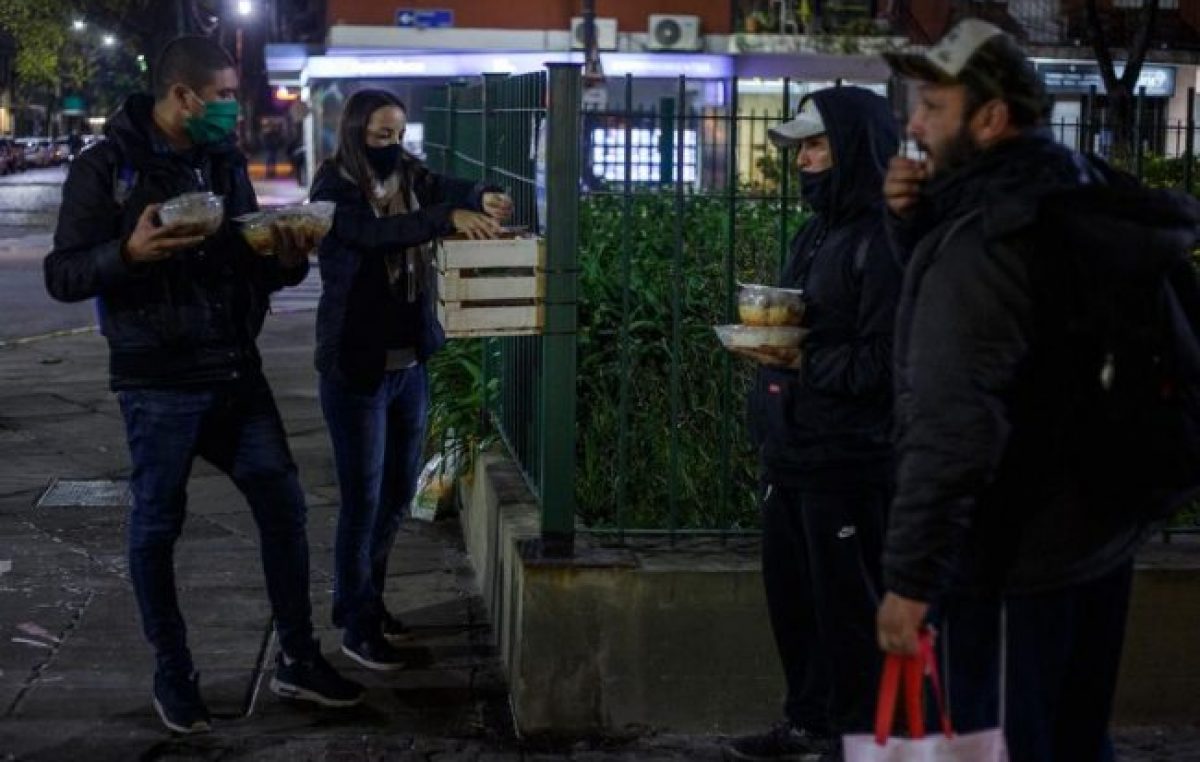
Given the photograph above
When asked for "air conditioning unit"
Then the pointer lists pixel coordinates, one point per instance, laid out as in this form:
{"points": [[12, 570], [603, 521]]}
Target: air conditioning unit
{"points": [[673, 32], [606, 33]]}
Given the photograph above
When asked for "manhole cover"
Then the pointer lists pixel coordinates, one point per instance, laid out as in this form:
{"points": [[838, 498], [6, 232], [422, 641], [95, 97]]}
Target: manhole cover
{"points": [[92, 493]]}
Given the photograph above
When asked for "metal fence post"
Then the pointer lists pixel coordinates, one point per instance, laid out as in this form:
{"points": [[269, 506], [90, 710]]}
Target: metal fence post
{"points": [[728, 309], [491, 81], [626, 302], [677, 296], [666, 140], [449, 164], [785, 171], [1189, 140], [558, 385], [1139, 104]]}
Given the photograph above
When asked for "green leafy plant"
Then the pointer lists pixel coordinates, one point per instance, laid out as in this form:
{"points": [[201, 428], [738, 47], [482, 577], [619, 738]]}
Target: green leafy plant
{"points": [[1169, 172], [456, 426], [708, 408]]}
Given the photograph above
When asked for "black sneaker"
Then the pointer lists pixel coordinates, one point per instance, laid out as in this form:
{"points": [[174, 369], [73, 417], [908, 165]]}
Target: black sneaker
{"points": [[177, 701], [783, 741], [374, 653], [394, 630], [314, 680]]}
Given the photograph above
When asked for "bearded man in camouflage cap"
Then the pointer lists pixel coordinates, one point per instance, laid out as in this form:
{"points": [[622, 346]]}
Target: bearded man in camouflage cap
{"points": [[1002, 532]]}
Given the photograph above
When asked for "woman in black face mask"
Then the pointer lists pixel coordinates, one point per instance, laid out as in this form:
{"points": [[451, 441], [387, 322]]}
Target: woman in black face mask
{"points": [[376, 327]]}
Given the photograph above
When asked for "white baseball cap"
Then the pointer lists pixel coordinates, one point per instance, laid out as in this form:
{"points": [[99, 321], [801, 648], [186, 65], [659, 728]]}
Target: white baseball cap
{"points": [[805, 124], [949, 57]]}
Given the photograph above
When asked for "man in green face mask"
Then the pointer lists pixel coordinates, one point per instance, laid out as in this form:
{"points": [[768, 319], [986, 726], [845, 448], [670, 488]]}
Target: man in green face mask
{"points": [[181, 313], [216, 122]]}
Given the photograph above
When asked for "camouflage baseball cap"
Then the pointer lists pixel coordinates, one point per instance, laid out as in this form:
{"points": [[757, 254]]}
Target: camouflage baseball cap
{"points": [[947, 60], [981, 56]]}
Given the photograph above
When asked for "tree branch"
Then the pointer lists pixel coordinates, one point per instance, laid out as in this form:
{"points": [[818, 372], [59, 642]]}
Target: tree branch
{"points": [[1100, 47], [1141, 43]]}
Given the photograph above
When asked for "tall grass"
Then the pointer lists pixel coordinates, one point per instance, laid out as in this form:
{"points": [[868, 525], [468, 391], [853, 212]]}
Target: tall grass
{"points": [[708, 409]]}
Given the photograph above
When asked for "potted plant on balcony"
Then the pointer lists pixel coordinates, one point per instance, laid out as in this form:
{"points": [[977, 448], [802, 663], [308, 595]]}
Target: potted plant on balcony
{"points": [[757, 22]]}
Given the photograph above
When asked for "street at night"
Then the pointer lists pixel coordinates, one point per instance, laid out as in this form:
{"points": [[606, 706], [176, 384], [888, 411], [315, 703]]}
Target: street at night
{"points": [[598, 381]]}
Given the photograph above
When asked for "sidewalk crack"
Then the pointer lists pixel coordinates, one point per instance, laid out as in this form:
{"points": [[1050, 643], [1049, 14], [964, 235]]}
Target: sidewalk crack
{"points": [[35, 674], [74, 547]]}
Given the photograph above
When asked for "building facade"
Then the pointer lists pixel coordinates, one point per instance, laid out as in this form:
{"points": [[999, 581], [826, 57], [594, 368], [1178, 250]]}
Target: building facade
{"points": [[755, 46]]}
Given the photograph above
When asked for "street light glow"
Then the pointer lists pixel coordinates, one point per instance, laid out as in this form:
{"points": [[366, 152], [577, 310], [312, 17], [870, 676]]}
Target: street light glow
{"points": [[245, 7], [79, 25], [109, 40]]}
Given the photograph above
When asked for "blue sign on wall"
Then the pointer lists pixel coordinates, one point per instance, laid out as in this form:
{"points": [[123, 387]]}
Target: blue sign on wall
{"points": [[1080, 77], [424, 18]]}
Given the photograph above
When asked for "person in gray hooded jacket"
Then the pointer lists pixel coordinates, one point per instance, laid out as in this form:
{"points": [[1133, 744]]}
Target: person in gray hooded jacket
{"points": [[823, 429]]}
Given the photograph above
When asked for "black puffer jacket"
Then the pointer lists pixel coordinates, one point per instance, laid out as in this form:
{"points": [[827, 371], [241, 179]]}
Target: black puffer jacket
{"points": [[186, 320], [837, 410], [986, 500]]}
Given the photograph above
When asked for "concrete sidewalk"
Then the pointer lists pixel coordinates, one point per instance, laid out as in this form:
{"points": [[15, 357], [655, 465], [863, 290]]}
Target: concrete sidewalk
{"points": [[75, 673]]}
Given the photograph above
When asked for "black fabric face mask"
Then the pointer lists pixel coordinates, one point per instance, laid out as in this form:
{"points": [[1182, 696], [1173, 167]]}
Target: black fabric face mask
{"points": [[383, 159], [816, 188]]}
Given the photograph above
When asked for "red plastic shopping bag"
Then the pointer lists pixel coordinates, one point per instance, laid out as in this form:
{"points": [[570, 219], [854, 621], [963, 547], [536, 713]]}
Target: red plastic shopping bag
{"points": [[911, 671]]}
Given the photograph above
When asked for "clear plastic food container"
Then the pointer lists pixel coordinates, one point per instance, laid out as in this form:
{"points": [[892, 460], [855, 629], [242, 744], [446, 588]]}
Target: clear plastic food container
{"points": [[780, 342], [196, 213], [769, 306], [313, 220]]}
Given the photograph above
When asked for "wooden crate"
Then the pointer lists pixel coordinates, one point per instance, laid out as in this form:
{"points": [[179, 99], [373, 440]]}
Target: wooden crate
{"points": [[492, 288]]}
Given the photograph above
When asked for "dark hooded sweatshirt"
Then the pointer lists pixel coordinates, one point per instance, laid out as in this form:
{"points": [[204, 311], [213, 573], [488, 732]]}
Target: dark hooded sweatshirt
{"points": [[987, 498], [187, 320], [835, 413]]}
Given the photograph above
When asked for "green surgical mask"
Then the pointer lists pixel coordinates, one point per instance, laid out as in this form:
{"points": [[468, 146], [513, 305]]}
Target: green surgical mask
{"points": [[215, 124]]}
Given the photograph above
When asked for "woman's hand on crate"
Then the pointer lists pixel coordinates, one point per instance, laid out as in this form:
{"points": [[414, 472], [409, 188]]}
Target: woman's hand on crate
{"points": [[474, 224], [498, 205]]}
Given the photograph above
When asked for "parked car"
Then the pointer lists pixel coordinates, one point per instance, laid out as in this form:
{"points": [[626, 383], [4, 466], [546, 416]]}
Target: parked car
{"points": [[37, 151]]}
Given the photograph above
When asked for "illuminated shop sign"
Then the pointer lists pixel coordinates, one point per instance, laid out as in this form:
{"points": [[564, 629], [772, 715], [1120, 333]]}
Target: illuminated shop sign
{"points": [[1080, 78]]}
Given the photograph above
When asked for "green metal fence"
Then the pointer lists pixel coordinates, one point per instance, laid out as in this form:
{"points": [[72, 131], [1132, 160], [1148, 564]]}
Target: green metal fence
{"points": [[661, 255], [626, 414], [490, 131]]}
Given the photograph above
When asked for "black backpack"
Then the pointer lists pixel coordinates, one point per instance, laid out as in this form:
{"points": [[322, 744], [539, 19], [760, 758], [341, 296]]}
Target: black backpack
{"points": [[1116, 287]]}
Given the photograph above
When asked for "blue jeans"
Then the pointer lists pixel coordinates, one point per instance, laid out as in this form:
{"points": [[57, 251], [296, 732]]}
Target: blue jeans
{"points": [[1063, 652], [237, 428], [377, 445]]}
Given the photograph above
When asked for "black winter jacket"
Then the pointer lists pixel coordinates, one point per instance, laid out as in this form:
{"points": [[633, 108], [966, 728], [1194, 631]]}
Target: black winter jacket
{"points": [[192, 318], [986, 501], [356, 299], [837, 410]]}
